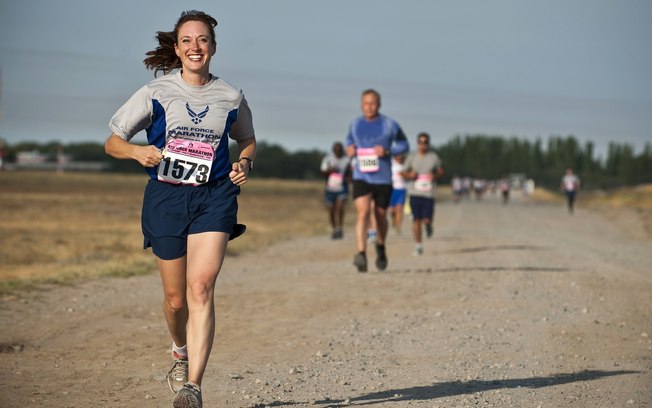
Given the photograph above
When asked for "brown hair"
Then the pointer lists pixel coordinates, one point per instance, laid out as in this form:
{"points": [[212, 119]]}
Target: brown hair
{"points": [[163, 58]]}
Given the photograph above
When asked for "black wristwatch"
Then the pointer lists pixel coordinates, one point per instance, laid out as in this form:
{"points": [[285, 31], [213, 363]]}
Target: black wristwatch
{"points": [[251, 162]]}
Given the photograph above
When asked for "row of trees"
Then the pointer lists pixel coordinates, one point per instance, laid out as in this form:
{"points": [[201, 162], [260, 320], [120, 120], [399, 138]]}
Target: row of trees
{"points": [[492, 157], [479, 156]]}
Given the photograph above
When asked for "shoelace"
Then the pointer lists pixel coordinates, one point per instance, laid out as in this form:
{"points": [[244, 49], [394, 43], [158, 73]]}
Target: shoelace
{"points": [[189, 397], [192, 388], [179, 371]]}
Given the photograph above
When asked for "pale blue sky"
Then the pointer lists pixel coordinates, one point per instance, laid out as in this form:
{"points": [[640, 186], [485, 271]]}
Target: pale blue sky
{"points": [[505, 67]]}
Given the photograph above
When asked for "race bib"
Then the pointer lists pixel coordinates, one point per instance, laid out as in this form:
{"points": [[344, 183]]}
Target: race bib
{"points": [[368, 160], [423, 183], [186, 162], [335, 182]]}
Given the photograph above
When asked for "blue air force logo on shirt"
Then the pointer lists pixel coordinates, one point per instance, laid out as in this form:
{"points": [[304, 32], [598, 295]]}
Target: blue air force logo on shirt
{"points": [[196, 117]]}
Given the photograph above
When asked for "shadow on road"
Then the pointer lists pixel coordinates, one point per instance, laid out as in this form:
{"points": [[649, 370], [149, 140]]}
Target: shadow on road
{"points": [[480, 269], [452, 388], [495, 248]]}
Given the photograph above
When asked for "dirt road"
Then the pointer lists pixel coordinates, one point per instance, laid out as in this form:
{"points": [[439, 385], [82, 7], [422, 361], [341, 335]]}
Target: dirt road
{"points": [[510, 306]]}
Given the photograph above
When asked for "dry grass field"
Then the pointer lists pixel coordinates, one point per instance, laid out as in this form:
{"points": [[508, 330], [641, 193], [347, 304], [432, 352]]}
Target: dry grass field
{"points": [[627, 205], [639, 197], [60, 228]]}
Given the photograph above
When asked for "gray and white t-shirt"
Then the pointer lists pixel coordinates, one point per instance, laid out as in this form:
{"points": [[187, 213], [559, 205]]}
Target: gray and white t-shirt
{"points": [[169, 108], [425, 167]]}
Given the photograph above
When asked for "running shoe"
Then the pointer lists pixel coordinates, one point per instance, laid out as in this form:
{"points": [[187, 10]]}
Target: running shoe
{"points": [[381, 257], [188, 397], [178, 374], [337, 233], [418, 250], [429, 230], [360, 260]]}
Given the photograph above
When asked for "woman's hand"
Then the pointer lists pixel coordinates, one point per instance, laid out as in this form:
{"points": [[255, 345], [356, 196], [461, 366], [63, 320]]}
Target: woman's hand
{"points": [[239, 173], [148, 156]]}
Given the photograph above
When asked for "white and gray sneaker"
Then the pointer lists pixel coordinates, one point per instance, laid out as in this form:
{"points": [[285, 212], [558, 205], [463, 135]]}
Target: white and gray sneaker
{"points": [[178, 374], [188, 397]]}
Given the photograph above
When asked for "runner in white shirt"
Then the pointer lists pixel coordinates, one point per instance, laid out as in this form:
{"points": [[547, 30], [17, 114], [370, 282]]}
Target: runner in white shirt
{"points": [[336, 167], [399, 192], [458, 189], [570, 185]]}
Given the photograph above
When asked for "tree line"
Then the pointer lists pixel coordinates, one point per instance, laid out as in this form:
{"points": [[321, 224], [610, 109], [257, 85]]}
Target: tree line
{"points": [[493, 157], [477, 156]]}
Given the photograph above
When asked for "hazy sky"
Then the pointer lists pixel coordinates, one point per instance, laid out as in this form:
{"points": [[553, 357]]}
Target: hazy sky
{"points": [[512, 68]]}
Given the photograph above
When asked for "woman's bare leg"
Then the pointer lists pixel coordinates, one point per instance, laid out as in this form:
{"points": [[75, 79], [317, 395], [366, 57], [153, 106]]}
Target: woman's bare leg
{"points": [[175, 308], [205, 256]]}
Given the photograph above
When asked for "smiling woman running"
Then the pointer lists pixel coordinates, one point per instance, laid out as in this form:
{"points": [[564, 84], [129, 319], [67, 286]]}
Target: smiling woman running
{"points": [[190, 202]]}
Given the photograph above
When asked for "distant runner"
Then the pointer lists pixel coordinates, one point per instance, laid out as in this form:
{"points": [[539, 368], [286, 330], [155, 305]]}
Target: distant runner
{"points": [[399, 192], [372, 139], [458, 188], [336, 167], [570, 185], [504, 189], [422, 170]]}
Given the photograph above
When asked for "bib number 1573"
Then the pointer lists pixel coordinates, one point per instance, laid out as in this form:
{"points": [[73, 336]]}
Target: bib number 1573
{"points": [[186, 162], [182, 171]]}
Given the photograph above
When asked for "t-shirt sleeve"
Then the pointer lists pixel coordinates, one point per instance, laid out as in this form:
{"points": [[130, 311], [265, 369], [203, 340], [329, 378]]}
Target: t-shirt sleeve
{"points": [[400, 144], [324, 164], [407, 165], [134, 116], [243, 128], [348, 141], [438, 162]]}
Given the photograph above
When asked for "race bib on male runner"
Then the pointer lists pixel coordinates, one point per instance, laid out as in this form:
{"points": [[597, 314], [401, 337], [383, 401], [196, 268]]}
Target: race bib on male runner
{"points": [[186, 162], [335, 182], [368, 160], [423, 183]]}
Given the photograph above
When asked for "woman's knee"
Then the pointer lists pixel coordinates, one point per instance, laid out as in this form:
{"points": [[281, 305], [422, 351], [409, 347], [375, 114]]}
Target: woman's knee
{"points": [[200, 292], [176, 301]]}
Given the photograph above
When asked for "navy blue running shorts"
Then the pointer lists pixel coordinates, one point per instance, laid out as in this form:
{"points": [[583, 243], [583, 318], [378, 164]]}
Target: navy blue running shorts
{"points": [[423, 208], [173, 211]]}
